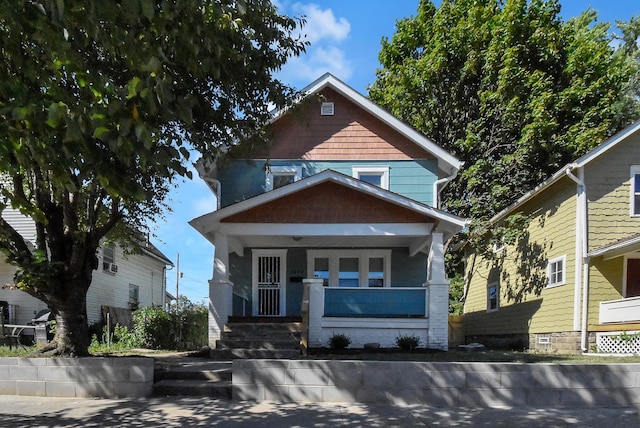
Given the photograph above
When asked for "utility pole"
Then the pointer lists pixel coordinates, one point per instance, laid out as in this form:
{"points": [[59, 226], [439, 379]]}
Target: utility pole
{"points": [[178, 281]]}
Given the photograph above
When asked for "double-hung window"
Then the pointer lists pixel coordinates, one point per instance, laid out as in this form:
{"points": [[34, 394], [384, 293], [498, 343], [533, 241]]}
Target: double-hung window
{"points": [[493, 297], [351, 268], [635, 191], [279, 176], [556, 271], [108, 257], [376, 175]]}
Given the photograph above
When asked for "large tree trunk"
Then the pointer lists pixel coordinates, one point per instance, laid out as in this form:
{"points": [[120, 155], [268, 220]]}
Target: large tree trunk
{"points": [[72, 330]]}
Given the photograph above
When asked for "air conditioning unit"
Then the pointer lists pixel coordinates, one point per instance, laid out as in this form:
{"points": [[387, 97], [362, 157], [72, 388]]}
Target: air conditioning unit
{"points": [[113, 268]]}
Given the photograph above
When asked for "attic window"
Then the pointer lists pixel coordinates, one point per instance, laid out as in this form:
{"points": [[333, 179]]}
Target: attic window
{"points": [[326, 109]]}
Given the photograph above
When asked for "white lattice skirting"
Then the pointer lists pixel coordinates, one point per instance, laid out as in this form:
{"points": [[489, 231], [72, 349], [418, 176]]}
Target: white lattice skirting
{"points": [[619, 342]]}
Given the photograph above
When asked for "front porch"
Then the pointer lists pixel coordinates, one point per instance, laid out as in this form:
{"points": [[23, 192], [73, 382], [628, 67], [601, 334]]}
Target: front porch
{"points": [[618, 330]]}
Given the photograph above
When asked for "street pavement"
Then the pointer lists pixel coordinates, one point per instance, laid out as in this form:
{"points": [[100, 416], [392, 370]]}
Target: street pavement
{"points": [[32, 412]]}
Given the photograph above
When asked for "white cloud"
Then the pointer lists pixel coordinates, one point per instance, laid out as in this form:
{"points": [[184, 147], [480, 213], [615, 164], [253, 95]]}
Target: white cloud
{"points": [[321, 23], [301, 71]]}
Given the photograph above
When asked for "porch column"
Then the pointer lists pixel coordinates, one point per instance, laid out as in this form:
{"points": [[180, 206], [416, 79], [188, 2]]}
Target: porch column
{"points": [[220, 290], [438, 296], [316, 311]]}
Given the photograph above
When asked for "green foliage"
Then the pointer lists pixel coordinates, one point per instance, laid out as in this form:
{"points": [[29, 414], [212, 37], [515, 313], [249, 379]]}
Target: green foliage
{"points": [[192, 320], [121, 339], [407, 342], [339, 341], [509, 88], [154, 328], [101, 104]]}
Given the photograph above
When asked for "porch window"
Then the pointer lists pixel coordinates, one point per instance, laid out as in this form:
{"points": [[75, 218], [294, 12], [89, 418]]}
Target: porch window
{"points": [[635, 191], [351, 268], [279, 176], [321, 270], [556, 272], [493, 297], [376, 175]]}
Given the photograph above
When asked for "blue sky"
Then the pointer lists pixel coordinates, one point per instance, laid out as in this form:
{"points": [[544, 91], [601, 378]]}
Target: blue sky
{"points": [[345, 40]]}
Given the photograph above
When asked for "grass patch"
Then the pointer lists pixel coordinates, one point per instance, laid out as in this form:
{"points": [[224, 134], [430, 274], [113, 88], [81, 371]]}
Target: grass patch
{"points": [[19, 351], [427, 355]]}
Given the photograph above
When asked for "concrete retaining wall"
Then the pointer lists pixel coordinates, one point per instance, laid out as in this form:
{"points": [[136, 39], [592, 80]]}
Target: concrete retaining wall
{"points": [[77, 377], [437, 384]]}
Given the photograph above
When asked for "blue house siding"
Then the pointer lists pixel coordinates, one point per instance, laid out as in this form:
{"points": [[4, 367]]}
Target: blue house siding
{"points": [[413, 179]]}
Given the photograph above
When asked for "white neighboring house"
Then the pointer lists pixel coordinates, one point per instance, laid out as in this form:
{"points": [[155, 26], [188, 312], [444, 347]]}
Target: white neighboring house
{"points": [[121, 281]]}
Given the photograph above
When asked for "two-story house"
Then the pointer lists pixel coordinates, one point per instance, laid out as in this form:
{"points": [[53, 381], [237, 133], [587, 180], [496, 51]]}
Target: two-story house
{"points": [[571, 283], [121, 282], [344, 202]]}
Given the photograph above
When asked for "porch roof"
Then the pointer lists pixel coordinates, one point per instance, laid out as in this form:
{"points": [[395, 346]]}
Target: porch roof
{"points": [[618, 248], [328, 209]]}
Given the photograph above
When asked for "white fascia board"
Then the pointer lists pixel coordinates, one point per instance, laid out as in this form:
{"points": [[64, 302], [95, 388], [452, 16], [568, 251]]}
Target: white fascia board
{"points": [[579, 163], [616, 250], [451, 163], [331, 229]]}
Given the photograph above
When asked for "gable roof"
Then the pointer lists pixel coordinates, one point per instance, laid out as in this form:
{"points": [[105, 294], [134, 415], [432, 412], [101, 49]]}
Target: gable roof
{"points": [[450, 221], [446, 161], [578, 163]]}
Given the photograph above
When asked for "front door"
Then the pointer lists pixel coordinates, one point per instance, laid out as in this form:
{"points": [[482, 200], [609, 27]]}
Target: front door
{"points": [[633, 278], [269, 283]]}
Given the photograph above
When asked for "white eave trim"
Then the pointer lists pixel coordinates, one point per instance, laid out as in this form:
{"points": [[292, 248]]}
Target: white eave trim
{"points": [[579, 163]]}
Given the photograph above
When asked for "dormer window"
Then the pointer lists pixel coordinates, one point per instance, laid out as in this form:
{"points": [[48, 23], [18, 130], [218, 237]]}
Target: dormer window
{"points": [[280, 176], [376, 175]]}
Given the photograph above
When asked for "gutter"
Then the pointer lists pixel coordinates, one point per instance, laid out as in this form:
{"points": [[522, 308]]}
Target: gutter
{"points": [[437, 190], [218, 188], [582, 249]]}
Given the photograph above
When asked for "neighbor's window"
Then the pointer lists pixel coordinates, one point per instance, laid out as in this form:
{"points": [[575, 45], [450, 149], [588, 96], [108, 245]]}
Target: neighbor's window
{"points": [[376, 175], [134, 296], [556, 271], [280, 176], [635, 190], [108, 256], [493, 300]]}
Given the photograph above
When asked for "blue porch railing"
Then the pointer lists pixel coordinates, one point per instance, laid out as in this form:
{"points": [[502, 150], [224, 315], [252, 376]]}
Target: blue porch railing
{"points": [[393, 302]]}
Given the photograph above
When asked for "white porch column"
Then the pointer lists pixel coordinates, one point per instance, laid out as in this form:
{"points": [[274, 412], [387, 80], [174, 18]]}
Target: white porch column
{"points": [[438, 296], [220, 290], [316, 310]]}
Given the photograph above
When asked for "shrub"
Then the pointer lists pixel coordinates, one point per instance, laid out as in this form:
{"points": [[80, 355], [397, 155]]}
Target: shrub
{"points": [[407, 342], [154, 328], [339, 341]]}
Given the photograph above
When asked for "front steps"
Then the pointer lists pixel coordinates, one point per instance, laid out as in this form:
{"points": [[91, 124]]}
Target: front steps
{"points": [[194, 377], [259, 338], [255, 338]]}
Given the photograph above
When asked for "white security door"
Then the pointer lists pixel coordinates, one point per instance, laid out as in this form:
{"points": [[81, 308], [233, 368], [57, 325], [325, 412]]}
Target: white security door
{"points": [[269, 283]]}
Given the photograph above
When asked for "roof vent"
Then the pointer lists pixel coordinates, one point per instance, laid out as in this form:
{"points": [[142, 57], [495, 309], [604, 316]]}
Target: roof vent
{"points": [[326, 109]]}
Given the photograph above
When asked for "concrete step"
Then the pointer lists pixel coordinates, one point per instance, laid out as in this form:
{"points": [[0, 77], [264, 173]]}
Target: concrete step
{"points": [[240, 353], [193, 388], [216, 371], [232, 343], [264, 328]]}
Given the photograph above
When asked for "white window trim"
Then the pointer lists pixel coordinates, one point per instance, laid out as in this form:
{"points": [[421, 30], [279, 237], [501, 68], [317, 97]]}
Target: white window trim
{"points": [[563, 259], [497, 286], [383, 171], [363, 256], [295, 171], [635, 169]]}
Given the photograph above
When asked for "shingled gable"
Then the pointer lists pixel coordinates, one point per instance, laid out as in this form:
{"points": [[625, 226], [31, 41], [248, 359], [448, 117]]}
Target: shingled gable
{"points": [[330, 197], [409, 136]]}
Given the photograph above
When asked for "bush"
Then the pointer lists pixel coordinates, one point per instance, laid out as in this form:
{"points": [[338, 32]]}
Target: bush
{"points": [[339, 341], [407, 342], [154, 328]]}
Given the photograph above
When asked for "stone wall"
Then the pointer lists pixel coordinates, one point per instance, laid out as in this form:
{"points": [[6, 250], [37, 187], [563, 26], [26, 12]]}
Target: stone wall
{"points": [[116, 377], [437, 384]]}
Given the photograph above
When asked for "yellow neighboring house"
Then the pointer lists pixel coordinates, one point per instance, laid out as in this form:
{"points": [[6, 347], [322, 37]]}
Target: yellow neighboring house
{"points": [[571, 282]]}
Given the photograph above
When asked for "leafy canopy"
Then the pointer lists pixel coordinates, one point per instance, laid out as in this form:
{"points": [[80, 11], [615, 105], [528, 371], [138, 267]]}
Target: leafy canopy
{"points": [[101, 103]]}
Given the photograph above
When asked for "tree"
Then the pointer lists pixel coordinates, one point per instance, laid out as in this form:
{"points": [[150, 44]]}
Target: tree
{"points": [[100, 104], [508, 87]]}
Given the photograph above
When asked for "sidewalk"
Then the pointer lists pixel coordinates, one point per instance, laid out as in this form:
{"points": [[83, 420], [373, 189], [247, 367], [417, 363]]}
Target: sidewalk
{"points": [[32, 412]]}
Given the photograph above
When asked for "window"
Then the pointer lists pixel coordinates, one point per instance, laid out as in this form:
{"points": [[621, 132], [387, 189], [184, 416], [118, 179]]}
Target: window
{"points": [[279, 176], [351, 268], [635, 191], [134, 296], [556, 272], [108, 257], [493, 297], [376, 175]]}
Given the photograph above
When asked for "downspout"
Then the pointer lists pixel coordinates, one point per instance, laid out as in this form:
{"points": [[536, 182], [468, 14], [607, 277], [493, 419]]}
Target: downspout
{"points": [[217, 191], [437, 190], [582, 219]]}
